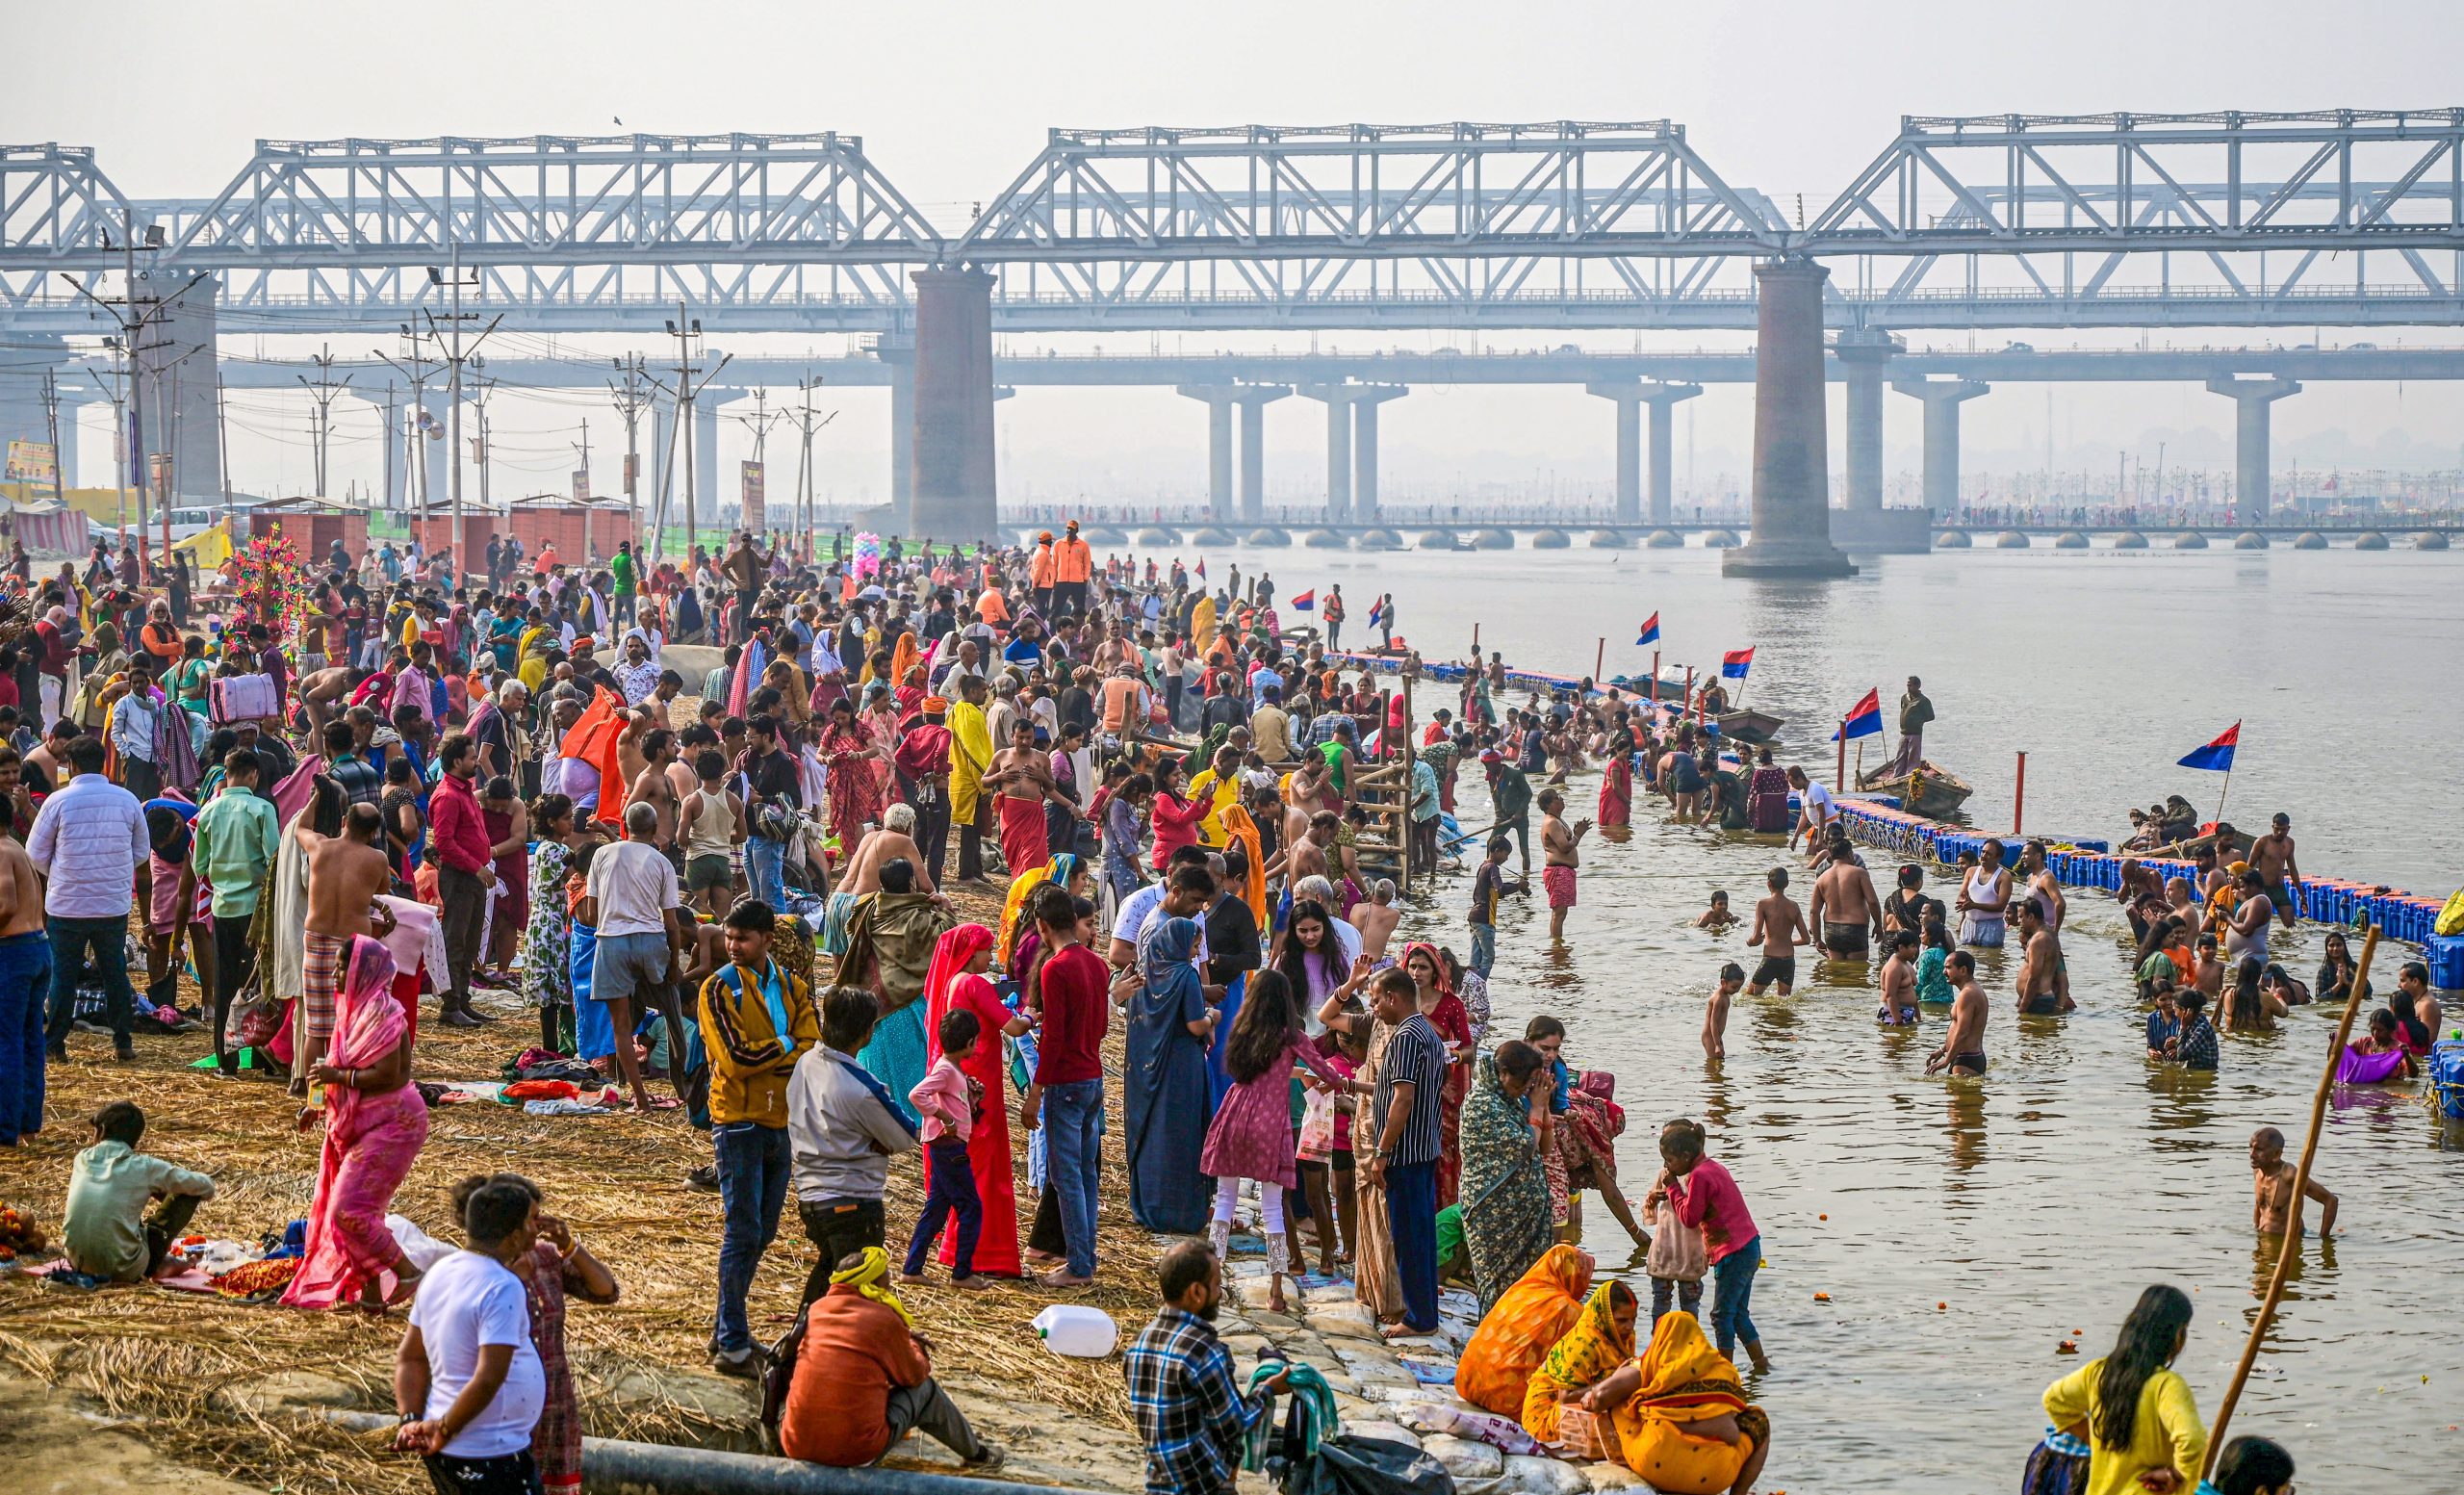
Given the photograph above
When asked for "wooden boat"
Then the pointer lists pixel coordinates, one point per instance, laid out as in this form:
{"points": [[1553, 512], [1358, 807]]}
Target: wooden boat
{"points": [[1748, 726], [1932, 791]]}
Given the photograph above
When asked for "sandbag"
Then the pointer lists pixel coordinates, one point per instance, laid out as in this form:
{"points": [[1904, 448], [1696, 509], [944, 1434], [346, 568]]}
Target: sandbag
{"points": [[1352, 1465]]}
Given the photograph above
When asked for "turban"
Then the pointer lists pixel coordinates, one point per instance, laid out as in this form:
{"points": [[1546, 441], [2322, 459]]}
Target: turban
{"points": [[934, 706]]}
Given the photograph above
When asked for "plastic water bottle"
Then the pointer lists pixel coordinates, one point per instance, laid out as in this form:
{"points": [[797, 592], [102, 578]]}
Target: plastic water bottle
{"points": [[1076, 1330]]}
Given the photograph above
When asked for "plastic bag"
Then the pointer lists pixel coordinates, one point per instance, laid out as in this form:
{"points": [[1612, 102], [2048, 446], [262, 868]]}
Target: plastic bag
{"points": [[1676, 1253]]}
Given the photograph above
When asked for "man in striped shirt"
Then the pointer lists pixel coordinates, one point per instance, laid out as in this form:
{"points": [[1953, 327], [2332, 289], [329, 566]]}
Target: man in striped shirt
{"points": [[1405, 1163]]}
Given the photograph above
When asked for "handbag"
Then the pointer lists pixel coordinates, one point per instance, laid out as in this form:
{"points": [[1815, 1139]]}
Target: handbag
{"points": [[256, 1018], [1676, 1253]]}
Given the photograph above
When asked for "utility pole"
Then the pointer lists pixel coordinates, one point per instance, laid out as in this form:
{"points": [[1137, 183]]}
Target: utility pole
{"points": [[453, 379], [131, 322], [324, 392], [419, 370], [483, 451], [632, 398], [583, 498], [51, 421], [806, 510], [685, 329]]}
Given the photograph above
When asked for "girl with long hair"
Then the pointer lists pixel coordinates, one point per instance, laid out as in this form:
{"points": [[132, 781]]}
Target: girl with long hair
{"points": [[1252, 1135], [2133, 1411]]}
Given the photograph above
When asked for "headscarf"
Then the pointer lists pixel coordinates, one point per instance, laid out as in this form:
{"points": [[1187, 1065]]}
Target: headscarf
{"points": [[1239, 827], [865, 1278], [1437, 963], [1597, 1345], [1167, 961], [951, 955], [1517, 1333], [903, 658], [369, 1023], [1057, 872], [1684, 1380]]}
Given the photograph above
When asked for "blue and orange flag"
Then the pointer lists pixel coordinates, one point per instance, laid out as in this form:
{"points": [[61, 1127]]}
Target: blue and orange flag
{"points": [[1650, 631], [1864, 719], [1305, 601], [1736, 662], [2219, 754]]}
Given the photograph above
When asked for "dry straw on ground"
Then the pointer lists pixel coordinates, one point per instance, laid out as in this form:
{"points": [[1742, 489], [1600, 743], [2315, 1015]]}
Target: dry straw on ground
{"points": [[199, 1377]]}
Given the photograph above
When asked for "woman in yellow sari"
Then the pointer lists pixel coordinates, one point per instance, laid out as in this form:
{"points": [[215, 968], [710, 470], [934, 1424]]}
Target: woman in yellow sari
{"points": [[1062, 869], [1243, 832], [1681, 1418], [1517, 1335], [1202, 625], [1602, 1340]]}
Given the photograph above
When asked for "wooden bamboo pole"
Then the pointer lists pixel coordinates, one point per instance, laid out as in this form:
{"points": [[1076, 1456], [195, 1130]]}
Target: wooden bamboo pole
{"points": [[2291, 1247]]}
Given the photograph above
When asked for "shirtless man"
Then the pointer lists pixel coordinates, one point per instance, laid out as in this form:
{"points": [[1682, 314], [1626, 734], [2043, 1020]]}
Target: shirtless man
{"points": [[1313, 785], [1984, 897], [2275, 1210], [1306, 857], [2245, 929], [1560, 857], [653, 787], [2044, 889], [2041, 985], [1021, 771], [2271, 858], [1899, 978], [347, 874], [1715, 1012], [321, 693], [1779, 927], [1962, 1050], [2209, 974], [20, 893], [896, 839], [1375, 920], [1846, 907]]}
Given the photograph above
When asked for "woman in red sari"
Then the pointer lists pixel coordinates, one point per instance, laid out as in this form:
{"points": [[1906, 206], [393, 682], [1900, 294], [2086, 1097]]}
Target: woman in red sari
{"points": [[1617, 788], [374, 1125], [954, 982], [1452, 1021], [848, 752]]}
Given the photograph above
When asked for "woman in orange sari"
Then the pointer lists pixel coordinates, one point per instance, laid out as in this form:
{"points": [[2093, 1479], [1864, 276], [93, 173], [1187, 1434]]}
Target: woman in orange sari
{"points": [[954, 982], [1681, 1417], [1517, 1335], [374, 1125]]}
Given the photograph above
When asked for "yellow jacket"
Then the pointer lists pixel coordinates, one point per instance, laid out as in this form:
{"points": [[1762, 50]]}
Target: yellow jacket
{"points": [[749, 1063]]}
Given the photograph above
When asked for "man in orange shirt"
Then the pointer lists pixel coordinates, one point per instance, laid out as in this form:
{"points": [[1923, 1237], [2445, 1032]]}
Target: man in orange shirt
{"points": [[1040, 569], [1073, 565], [992, 608], [863, 1378]]}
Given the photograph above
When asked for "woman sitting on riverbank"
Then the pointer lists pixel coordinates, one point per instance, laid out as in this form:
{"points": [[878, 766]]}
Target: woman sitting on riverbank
{"points": [[1681, 1418]]}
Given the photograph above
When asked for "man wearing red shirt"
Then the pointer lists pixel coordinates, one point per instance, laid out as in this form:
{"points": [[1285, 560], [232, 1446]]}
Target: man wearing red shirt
{"points": [[923, 761], [1069, 1078], [465, 870]]}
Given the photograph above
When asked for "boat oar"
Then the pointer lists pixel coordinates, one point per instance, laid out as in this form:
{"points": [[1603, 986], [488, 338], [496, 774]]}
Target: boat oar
{"points": [[2291, 1247]]}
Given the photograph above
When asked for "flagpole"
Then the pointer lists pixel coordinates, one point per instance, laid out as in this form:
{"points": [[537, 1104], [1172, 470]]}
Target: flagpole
{"points": [[1655, 677], [2224, 794], [1598, 660]]}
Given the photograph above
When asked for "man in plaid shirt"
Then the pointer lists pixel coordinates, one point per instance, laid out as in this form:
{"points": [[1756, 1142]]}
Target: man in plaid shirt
{"points": [[1190, 1410]]}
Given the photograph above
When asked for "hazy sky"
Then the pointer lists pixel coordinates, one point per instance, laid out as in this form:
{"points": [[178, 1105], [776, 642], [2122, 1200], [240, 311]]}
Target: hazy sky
{"points": [[953, 99]]}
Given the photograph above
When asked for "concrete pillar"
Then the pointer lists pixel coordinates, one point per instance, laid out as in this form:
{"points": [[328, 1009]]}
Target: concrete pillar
{"points": [[1364, 447], [898, 352], [183, 382], [1862, 353], [1253, 401], [1338, 399], [1791, 458], [1630, 398], [1943, 401], [708, 498], [1219, 399], [953, 495], [2251, 399]]}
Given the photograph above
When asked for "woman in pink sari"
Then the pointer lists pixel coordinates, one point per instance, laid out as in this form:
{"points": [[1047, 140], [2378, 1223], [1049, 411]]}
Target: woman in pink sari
{"points": [[374, 1124], [956, 982]]}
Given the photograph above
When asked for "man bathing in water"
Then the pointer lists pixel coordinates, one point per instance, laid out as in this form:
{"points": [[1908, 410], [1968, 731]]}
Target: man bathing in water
{"points": [[2045, 987], [2276, 1210], [1962, 1050], [1984, 897], [1779, 927], [1715, 1012], [1899, 980], [1845, 907], [2272, 859], [1561, 858]]}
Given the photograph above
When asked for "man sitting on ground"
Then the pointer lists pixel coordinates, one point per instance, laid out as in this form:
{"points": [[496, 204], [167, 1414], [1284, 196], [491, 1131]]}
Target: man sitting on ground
{"points": [[863, 1378], [105, 1230]]}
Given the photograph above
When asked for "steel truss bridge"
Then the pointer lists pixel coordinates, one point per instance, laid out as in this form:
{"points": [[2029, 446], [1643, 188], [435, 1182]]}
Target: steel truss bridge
{"points": [[2349, 217]]}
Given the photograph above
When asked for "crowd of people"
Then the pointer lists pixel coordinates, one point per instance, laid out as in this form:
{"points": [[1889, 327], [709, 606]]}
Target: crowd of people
{"points": [[417, 781]]}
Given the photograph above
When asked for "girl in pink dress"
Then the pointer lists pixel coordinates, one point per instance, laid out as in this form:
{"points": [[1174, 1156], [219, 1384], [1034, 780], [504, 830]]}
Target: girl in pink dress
{"points": [[1251, 1137]]}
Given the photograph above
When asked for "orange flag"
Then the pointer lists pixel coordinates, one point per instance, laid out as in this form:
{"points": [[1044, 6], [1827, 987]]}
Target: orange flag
{"points": [[593, 740]]}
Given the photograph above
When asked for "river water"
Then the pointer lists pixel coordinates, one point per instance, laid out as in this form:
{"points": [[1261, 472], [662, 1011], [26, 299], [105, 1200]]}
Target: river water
{"points": [[2033, 1204]]}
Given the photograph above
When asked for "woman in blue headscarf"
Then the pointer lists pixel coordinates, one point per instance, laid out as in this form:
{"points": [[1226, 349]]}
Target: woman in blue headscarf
{"points": [[1164, 1094]]}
